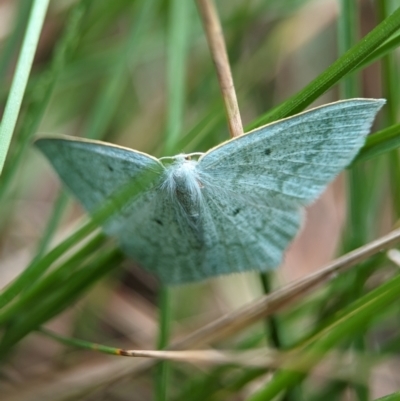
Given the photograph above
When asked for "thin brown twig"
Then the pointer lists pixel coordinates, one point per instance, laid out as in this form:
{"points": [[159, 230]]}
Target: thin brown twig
{"points": [[216, 43], [263, 357], [234, 321], [76, 382], [229, 324]]}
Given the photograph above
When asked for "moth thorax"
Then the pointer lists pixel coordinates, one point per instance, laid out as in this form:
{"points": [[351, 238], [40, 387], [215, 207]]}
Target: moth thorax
{"points": [[186, 178], [184, 185]]}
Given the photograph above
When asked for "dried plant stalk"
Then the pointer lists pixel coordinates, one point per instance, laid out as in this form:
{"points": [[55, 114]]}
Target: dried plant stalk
{"points": [[216, 43]]}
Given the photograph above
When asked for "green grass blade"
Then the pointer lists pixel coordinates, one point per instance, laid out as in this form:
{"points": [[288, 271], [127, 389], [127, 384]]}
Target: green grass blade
{"points": [[164, 322], [355, 320], [21, 76], [40, 266], [383, 50], [390, 397], [356, 232], [390, 81], [16, 36], [177, 45], [178, 35], [54, 303], [331, 76], [109, 97], [51, 227], [41, 93], [74, 342], [347, 37], [53, 280], [380, 142]]}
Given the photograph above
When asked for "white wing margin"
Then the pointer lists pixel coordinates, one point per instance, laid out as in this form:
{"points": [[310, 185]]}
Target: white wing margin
{"points": [[292, 160]]}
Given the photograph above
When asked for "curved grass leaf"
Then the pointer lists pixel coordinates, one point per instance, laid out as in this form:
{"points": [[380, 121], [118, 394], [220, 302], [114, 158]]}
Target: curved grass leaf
{"points": [[341, 67]]}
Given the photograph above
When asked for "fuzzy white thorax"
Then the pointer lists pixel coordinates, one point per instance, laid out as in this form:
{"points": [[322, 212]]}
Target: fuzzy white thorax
{"points": [[183, 184]]}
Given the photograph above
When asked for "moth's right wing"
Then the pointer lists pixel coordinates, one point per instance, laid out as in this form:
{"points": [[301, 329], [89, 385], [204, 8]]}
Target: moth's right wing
{"points": [[94, 170], [291, 161]]}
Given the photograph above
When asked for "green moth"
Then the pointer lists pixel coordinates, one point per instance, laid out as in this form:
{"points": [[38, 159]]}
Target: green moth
{"points": [[236, 208]]}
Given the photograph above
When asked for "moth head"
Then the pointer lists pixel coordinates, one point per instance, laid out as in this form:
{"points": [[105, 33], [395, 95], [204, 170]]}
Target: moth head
{"points": [[180, 159]]}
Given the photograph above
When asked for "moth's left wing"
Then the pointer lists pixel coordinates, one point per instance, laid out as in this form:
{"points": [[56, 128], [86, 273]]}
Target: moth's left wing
{"points": [[94, 170], [146, 227], [291, 161]]}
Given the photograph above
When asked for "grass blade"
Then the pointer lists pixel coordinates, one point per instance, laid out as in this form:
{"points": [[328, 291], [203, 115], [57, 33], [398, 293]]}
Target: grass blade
{"points": [[21, 76]]}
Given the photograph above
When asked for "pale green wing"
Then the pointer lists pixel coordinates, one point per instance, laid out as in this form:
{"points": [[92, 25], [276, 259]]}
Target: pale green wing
{"points": [[291, 161], [149, 227], [93, 170], [248, 231], [229, 236], [252, 188], [235, 233], [155, 234]]}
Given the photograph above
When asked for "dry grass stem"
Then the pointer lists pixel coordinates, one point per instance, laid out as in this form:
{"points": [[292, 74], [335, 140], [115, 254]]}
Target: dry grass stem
{"points": [[229, 324], [74, 382], [348, 365], [233, 322], [216, 43]]}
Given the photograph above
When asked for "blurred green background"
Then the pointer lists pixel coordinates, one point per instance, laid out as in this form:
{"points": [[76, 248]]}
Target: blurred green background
{"points": [[139, 74]]}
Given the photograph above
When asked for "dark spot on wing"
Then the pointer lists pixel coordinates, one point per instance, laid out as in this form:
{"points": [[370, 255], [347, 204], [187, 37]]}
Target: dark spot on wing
{"points": [[110, 168], [236, 211], [267, 152], [159, 222]]}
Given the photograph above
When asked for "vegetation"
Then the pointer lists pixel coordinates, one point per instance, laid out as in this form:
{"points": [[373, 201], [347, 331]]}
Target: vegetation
{"points": [[139, 73]]}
